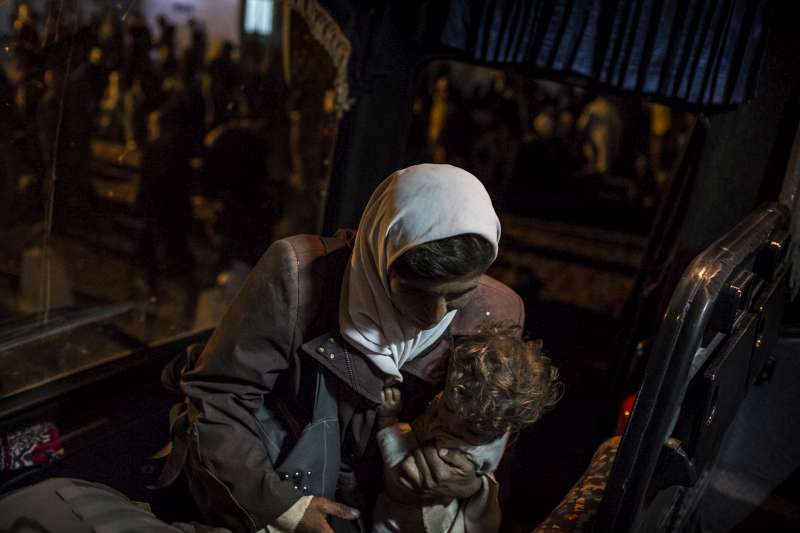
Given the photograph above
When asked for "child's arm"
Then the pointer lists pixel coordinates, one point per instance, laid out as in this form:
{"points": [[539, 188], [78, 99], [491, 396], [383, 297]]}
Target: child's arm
{"points": [[482, 510], [395, 440]]}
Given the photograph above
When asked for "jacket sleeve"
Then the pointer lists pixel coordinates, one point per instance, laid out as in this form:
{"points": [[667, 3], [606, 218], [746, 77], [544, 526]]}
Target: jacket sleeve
{"points": [[509, 306], [250, 348], [520, 307], [495, 301]]}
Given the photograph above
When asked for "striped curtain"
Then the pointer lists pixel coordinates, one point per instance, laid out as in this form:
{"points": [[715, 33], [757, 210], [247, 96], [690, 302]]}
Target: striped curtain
{"points": [[703, 52]]}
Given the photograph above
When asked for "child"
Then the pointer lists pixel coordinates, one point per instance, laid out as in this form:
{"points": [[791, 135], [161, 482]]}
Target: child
{"points": [[497, 384]]}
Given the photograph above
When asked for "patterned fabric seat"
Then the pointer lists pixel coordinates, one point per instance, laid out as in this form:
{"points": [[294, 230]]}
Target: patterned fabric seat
{"points": [[577, 510]]}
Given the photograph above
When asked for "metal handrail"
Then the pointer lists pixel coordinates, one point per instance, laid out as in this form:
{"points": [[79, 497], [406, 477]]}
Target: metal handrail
{"points": [[670, 361], [34, 329]]}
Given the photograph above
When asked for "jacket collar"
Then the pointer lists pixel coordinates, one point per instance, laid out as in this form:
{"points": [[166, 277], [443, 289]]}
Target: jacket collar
{"points": [[350, 367], [330, 351]]}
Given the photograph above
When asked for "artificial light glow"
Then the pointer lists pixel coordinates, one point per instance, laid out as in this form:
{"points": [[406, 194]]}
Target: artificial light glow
{"points": [[258, 16]]}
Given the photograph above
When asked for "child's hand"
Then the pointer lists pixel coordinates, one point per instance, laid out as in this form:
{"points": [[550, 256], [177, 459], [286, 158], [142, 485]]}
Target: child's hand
{"points": [[390, 407]]}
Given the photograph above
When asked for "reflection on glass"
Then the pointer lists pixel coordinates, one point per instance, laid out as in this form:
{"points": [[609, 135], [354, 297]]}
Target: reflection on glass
{"points": [[550, 150], [155, 150], [577, 174]]}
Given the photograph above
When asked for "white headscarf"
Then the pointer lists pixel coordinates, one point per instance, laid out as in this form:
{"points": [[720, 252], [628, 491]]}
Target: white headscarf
{"points": [[413, 206]]}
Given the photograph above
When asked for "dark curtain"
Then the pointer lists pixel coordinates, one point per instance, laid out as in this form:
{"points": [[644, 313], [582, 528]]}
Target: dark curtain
{"points": [[703, 52]]}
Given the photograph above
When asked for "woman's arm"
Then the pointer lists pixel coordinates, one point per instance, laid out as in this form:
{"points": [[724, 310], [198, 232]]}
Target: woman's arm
{"points": [[250, 348]]}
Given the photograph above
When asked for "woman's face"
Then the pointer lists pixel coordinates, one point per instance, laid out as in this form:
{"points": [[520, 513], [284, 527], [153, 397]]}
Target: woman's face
{"points": [[426, 302]]}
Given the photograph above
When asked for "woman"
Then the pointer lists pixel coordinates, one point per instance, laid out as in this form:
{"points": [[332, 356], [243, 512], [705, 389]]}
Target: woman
{"points": [[380, 312]]}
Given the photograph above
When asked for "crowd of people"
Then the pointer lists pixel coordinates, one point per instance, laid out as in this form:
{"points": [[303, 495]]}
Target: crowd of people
{"points": [[68, 81], [541, 145]]}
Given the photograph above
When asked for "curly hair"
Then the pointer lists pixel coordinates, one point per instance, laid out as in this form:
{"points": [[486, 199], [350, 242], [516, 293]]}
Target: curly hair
{"points": [[499, 382]]}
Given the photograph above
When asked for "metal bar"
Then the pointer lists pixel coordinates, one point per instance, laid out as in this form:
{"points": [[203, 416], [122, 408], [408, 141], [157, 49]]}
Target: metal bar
{"points": [[36, 329]]}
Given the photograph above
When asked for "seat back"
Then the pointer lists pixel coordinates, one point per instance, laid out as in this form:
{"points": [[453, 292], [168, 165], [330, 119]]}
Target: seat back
{"points": [[713, 344], [62, 505]]}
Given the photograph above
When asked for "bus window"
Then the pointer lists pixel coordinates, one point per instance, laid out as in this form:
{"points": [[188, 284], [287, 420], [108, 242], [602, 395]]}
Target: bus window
{"points": [[151, 154], [577, 177]]}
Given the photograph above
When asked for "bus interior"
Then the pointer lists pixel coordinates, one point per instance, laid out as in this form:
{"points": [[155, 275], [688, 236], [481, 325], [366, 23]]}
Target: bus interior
{"points": [[648, 224]]}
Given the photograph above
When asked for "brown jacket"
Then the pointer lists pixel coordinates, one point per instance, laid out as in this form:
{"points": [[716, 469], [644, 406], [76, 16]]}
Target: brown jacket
{"points": [[287, 312]]}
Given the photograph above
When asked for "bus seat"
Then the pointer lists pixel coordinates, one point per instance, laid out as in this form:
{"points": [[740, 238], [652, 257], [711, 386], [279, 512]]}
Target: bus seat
{"points": [[579, 507], [760, 450], [65, 505], [711, 349], [71, 506]]}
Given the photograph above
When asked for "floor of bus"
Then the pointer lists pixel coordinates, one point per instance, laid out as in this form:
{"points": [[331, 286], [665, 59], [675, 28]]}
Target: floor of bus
{"points": [[761, 459], [780, 513]]}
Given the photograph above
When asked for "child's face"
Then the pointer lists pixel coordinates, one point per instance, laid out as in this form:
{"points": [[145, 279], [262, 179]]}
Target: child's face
{"points": [[456, 427]]}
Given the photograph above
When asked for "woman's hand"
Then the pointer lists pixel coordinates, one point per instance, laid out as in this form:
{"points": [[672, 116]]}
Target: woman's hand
{"points": [[439, 474], [315, 519]]}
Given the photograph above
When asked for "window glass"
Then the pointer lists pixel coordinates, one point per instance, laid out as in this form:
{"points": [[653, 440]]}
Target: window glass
{"points": [[576, 174], [153, 152], [576, 177]]}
